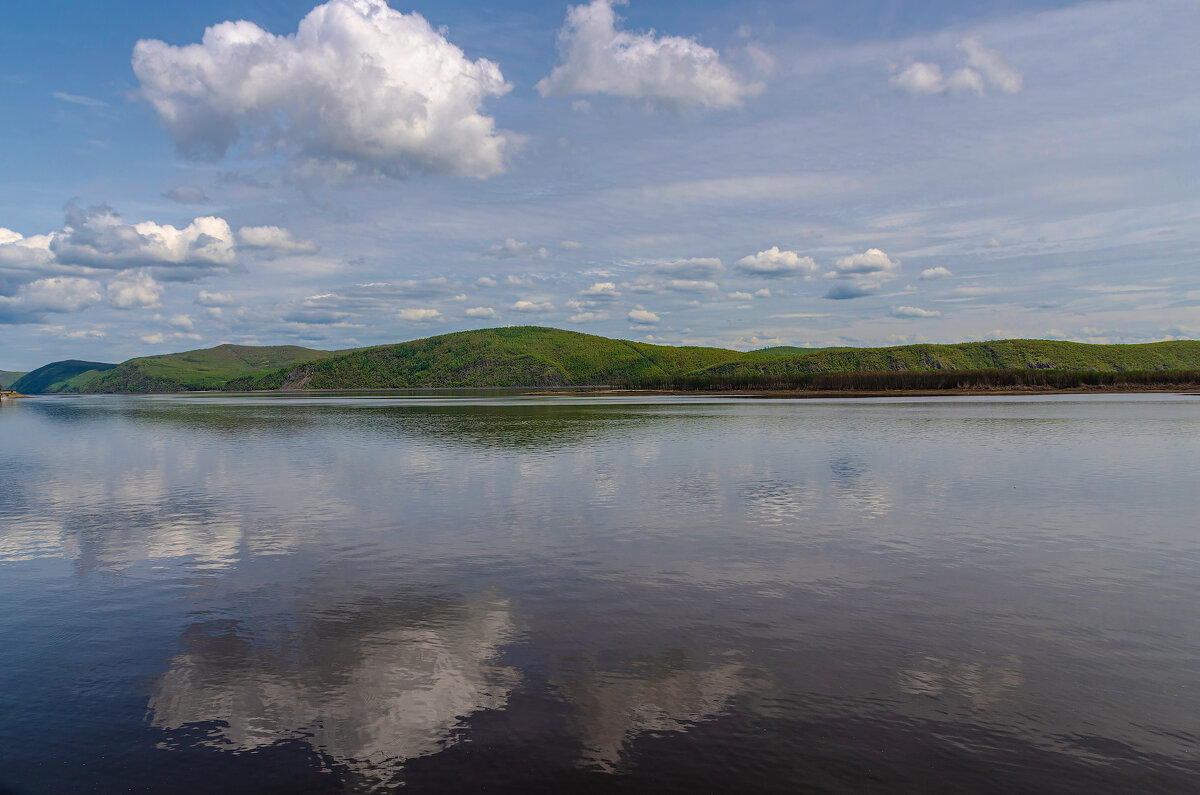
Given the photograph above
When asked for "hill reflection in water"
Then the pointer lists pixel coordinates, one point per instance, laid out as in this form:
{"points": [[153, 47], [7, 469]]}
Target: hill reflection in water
{"points": [[352, 593]]}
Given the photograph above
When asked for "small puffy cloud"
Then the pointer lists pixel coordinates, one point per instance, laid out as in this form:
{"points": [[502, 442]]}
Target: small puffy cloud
{"points": [[481, 312], [983, 66], [274, 239], [419, 315], [998, 73], [914, 311], [696, 268], [773, 263], [208, 299], [154, 339], [602, 289], [187, 194], [532, 307], [589, 317], [134, 291], [570, 245], [486, 281], [741, 295], [871, 261], [181, 322], [359, 88], [597, 58], [936, 273], [921, 78], [643, 317], [55, 294], [844, 292], [96, 237], [516, 249]]}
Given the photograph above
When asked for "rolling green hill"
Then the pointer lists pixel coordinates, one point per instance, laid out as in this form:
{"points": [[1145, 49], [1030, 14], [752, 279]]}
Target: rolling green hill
{"points": [[56, 375], [533, 356], [992, 355], [9, 377], [209, 368], [516, 356], [536, 356]]}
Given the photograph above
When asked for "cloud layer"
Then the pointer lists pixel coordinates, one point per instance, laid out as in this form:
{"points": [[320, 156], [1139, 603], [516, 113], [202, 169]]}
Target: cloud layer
{"points": [[597, 58], [359, 88]]}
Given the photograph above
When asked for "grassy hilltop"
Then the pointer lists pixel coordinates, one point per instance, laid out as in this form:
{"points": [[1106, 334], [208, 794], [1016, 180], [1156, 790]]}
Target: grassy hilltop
{"points": [[10, 377], [210, 368], [534, 356], [55, 377]]}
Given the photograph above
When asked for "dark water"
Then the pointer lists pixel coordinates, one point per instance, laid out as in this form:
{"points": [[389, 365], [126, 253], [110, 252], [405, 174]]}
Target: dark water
{"points": [[326, 594]]}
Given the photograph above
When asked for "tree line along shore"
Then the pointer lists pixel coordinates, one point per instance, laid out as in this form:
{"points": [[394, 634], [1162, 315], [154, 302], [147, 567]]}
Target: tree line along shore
{"points": [[535, 357]]}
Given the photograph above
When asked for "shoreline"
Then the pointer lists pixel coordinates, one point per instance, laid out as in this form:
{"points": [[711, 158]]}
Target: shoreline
{"points": [[869, 393]]}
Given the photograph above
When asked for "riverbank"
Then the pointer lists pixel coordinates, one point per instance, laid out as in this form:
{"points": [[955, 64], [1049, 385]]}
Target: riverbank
{"points": [[874, 393]]}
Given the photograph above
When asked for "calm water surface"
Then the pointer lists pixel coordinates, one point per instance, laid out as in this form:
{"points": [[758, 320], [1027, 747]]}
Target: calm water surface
{"points": [[455, 593]]}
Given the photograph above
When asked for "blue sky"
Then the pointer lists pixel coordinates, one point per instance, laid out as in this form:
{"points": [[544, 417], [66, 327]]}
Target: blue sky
{"points": [[820, 173]]}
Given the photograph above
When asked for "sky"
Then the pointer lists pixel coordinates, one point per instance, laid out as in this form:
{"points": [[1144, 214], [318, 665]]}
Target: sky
{"points": [[853, 172]]}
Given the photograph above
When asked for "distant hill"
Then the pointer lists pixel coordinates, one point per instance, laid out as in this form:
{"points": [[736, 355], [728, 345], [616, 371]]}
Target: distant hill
{"points": [[209, 368], [515, 356], [9, 377], [55, 376], [992, 355], [534, 356]]}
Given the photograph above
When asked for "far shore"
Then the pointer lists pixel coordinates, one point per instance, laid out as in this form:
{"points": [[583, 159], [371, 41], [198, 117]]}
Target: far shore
{"points": [[864, 393]]}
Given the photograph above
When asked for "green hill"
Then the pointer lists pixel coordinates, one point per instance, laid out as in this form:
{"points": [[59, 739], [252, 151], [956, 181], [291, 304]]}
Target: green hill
{"points": [[536, 356], [993, 355], [209, 368], [54, 376], [9, 377], [516, 356], [533, 356]]}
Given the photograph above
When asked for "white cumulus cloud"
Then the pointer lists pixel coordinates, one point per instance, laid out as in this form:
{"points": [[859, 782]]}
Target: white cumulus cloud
{"points": [[936, 273], [597, 58], [984, 66], [643, 317], [914, 311], [55, 294], [359, 87], [871, 261], [97, 237], [532, 307], [777, 264], [134, 291], [481, 312], [419, 315], [275, 239]]}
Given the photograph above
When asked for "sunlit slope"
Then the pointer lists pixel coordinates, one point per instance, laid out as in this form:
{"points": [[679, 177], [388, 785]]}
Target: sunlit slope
{"points": [[55, 376], [992, 355], [9, 377], [209, 368], [518, 356]]}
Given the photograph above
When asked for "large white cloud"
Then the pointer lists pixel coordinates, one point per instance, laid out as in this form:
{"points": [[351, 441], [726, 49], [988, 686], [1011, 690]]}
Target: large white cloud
{"points": [[775, 263], [134, 291], [55, 294], [359, 87], [97, 237], [862, 274], [596, 58]]}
